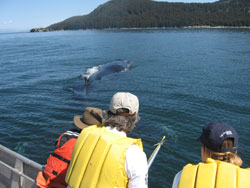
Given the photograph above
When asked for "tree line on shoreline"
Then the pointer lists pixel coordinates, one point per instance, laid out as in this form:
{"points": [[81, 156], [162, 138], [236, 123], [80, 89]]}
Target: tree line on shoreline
{"points": [[148, 14]]}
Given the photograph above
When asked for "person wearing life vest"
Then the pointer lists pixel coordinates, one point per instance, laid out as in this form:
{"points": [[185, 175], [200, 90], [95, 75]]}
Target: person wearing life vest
{"points": [[104, 157], [57, 164], [220, 166]]}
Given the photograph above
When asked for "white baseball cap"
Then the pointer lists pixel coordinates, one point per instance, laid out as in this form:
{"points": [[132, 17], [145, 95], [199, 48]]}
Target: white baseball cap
{"points": [[124, 100]]}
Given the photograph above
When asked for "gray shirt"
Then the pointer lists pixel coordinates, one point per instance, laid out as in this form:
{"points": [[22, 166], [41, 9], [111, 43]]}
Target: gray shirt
{"points": [[176, 179]]}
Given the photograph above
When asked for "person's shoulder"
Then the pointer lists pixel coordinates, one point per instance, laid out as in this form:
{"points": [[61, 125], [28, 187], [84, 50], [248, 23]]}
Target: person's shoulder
{"points": [[135, 148], [136, 151]]}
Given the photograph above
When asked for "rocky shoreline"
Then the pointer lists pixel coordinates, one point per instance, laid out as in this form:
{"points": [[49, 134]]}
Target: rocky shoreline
{"points": [[40, 30], [186, 27]]}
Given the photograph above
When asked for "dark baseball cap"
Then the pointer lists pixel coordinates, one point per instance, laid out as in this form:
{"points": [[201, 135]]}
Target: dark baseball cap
{"points": [[214, 134]]}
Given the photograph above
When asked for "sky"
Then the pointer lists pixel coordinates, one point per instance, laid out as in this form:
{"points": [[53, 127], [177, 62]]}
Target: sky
{"points": [[17, 15]]}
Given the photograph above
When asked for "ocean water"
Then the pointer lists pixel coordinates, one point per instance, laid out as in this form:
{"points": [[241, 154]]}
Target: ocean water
{"points": [[184, 79]]}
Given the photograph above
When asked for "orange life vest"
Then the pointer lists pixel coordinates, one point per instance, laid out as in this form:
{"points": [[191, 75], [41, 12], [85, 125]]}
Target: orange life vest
{"points": [[58, 161]]}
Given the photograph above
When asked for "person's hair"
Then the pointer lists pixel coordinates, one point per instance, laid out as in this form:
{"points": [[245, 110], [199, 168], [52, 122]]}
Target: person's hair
{"points": [[229, 157], [122, 123]]}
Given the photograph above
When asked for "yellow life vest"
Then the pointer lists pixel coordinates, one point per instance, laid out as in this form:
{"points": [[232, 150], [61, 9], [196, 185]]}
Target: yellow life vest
{"points": [[98, 159], [214, 174]]}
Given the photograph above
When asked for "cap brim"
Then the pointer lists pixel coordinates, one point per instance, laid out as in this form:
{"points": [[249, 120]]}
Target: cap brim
{"points": [[79, 123]]}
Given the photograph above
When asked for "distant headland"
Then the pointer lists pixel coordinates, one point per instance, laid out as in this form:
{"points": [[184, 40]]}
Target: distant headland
{"points": [[151, 14], [40, 30]]}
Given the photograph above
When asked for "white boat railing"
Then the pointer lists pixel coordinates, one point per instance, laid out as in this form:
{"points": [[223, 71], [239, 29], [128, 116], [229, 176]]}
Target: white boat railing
{"points": [[17, 171]]}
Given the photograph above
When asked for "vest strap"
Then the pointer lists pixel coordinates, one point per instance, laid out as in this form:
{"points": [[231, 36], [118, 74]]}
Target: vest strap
{"points": [[60, 158]]}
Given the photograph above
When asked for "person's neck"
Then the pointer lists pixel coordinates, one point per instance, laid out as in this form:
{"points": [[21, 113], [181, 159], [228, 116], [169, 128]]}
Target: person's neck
{"points": [[115, 130]]}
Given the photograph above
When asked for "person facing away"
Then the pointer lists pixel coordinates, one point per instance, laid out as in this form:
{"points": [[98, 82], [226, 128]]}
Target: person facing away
{"points": [[104, 157], [220, 166], [57, 164]]}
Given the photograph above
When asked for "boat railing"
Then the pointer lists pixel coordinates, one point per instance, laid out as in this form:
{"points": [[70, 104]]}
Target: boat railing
{"points": [[17, 171]]}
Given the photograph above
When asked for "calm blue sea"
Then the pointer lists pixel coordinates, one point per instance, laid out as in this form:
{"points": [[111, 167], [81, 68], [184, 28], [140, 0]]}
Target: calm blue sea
{"points": [[184, 78]]}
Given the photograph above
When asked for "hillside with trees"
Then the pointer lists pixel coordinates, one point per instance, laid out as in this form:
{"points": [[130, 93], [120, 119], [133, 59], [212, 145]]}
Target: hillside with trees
{"points": [[148, 13]]}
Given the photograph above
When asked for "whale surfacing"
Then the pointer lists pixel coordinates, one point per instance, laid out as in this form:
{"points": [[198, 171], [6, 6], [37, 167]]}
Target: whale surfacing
{"points": [[97, 72]]}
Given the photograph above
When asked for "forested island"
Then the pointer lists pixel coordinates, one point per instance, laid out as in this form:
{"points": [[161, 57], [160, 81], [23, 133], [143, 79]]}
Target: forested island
{"points": [[153, 14]]}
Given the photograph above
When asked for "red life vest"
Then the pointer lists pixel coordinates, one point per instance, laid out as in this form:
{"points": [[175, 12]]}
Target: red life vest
{"points": [[58, 162]]}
